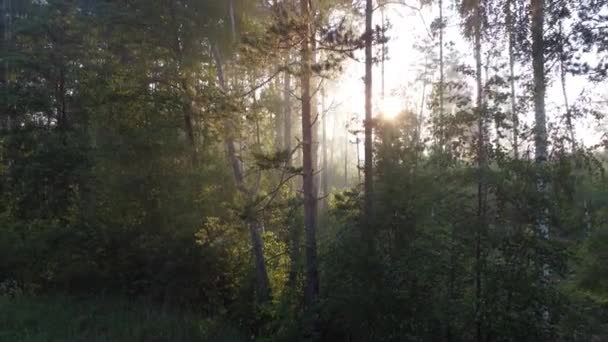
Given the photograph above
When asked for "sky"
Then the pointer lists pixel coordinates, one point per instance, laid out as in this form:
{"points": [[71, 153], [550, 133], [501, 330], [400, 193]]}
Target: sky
{"points": [[407, 28]]}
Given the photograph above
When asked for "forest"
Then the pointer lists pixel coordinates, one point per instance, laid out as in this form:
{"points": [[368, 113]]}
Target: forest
{"points": [[304, 170]]}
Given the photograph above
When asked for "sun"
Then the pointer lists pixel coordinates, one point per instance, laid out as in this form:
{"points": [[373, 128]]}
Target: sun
{"points": [[390, 107]]}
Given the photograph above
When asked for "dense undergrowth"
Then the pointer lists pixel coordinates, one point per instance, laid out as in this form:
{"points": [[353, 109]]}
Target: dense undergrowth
{"points": [[64, 318]]}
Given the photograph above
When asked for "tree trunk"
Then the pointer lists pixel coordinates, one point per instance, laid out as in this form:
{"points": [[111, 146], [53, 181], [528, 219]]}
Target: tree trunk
{"points": [[333, 151], [232, 20], [293, 227], [346, 159], [382, 74], [441, 81], [420, 118], [358, 159], [287, 113], [540, 129], [62, 116], [279, 117], [514, 116], [187, 95], [481, 164], [311, 291], [188, 121], [442, 139], [263, 287], [569, 122], [325, 171], [451, 286], [368, 183], [314, 109], [261, 274], [6, 38], [562, 71]]}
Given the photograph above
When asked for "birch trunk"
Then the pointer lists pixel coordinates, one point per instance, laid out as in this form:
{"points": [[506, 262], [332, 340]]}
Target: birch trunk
{"points": [[263, 287]]}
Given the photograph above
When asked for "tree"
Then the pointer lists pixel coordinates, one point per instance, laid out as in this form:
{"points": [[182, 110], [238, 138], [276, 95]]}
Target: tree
{"points": [[510, 27], [311, 292], [474, 13], [441, 74], [537, 8], [146, 154], [369, 123]]}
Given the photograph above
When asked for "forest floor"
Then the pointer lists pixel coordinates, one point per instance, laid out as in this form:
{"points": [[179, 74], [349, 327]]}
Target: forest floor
{"points": [[60, 318]]}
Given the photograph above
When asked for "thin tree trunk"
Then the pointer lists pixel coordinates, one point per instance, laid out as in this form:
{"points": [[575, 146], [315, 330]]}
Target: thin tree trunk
{"points": [[6, 38], [382, 93], [368, 186], [514, 116], [540, 129], [279, 117], [358, 157], [588, 221], [441, 81], [293, 227], [187, 108], [325, 171], [294, 248], [346, 159], [562, 71], [232, 20], [62, 118], [263, 287], [332, 151], [314, 108], [311, 291], [481, 160], [569, 123], [497, 121], [451, 285], [442, 141], [287, 113], [422, 103]]}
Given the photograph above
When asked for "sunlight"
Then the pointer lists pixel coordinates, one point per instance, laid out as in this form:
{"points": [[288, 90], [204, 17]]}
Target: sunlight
{"points": [[390, 108]]}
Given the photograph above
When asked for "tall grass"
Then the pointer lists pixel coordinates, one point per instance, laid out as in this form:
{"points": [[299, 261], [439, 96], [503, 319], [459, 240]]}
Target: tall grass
{"points": [[61, 318]]}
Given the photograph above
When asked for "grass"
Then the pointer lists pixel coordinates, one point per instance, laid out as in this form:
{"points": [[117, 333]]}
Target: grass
{"points": [[50, 319]]}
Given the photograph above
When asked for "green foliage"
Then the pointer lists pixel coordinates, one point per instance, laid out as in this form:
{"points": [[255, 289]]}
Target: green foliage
{"points": [[419, 282], [115, 183], [59, 318]]}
